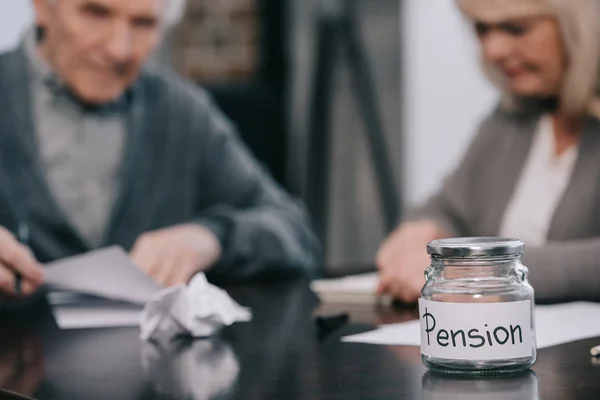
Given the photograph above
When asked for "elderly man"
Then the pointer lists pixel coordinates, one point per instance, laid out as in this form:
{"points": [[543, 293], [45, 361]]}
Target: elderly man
{"points": [[98, 148]]}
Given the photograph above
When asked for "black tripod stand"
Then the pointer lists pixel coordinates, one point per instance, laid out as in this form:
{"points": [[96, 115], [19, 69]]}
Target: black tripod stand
{"points": [[338, 34]]}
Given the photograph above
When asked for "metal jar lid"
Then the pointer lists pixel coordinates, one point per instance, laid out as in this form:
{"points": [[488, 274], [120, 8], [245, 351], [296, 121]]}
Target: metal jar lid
{"points": [[473, 247]]}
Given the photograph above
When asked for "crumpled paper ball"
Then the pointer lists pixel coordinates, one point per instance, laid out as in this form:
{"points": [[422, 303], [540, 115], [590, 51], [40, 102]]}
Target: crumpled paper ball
{"points": [[197, 309]]}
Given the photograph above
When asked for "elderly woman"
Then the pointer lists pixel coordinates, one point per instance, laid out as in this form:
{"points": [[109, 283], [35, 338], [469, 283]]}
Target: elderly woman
{"points": [[533, 171]]}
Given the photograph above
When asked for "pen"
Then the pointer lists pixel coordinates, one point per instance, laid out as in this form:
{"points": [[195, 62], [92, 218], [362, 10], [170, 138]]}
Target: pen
{"points": [[326, 325], [595, 351], [23, 238]]}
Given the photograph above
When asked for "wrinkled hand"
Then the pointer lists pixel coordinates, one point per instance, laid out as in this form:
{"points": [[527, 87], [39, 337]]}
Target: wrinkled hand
{"points": [[403, 258], [15, 258], [174, 255]]}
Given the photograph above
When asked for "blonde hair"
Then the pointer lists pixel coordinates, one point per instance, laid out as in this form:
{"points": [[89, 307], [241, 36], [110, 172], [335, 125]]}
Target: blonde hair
{"points": [[579, 22]]}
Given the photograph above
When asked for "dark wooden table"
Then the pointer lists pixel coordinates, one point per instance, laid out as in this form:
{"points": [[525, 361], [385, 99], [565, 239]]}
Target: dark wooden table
{"points": [[279, 355]]}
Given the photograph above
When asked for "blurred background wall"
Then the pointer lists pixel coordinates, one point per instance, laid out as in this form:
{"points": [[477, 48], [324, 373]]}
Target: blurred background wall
{"points": [[431, 96], [15, 15], [445, 95], [355, 220]]}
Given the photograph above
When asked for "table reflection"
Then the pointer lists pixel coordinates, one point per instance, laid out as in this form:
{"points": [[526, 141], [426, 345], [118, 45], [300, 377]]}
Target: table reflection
{"points": [[22, 366], [192, 369], [439, 387]]}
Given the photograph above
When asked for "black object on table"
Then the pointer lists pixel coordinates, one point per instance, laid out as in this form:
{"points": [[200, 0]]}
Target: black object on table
{"points": [[276, 356], [4, 395]]}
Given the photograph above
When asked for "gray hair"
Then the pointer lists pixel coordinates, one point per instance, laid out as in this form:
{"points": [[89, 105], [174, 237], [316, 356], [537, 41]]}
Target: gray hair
{"points": [[579, 22], [174, 10]]}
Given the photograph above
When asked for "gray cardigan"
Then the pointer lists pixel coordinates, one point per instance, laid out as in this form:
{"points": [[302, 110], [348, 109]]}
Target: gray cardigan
{"points": [[183, 163], [474, 198]]}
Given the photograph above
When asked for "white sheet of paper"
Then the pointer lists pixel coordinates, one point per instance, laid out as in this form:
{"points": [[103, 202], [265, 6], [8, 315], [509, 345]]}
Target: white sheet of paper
{"points": [[107, 273], [354, 283], [555, 325], [76, 311], [96, 317], [356, 289], [405, 334]]}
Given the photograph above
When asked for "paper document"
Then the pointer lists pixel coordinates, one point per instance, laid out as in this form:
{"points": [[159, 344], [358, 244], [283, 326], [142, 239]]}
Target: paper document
{"points": [[71, 317], [357, 289], [555, 325], [107, 273], [76, 311]]}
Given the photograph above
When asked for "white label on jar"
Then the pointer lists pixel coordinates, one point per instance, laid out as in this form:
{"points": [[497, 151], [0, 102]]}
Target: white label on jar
{"points": [[476, 331]]}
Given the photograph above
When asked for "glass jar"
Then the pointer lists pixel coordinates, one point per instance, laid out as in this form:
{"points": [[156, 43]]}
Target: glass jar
{"points": [[476, 308], [523, 386]]}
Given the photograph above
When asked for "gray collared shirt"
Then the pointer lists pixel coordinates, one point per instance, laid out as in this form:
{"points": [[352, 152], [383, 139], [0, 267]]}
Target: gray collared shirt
{"points": [[80, 152]]}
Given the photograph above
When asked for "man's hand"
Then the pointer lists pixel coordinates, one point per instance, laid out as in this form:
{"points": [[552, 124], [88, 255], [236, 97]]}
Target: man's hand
{"points": [[174, 255], [403, 258], [17, 259]]}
